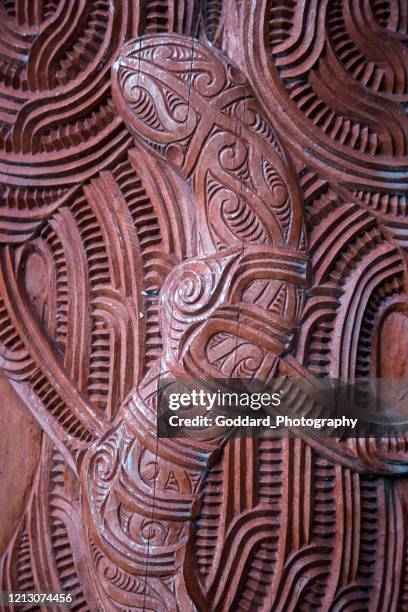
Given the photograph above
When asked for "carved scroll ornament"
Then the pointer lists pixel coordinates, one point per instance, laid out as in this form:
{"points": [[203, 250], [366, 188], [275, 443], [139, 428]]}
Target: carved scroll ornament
{"points": [[189, 189]]}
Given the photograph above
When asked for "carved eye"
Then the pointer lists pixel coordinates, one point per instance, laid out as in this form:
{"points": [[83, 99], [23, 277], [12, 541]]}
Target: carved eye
{"points": [[141, 530], [153, 531]]}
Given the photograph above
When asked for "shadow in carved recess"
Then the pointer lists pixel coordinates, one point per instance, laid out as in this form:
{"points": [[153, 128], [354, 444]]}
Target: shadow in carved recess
{"points": [[176, 177]]}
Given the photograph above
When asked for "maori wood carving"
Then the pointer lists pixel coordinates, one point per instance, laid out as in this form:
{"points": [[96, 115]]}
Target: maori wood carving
{"points": [[211, 189]]}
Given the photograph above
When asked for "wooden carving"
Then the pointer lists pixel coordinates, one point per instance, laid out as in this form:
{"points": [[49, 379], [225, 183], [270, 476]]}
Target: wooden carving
{"points": [[207, 189]]}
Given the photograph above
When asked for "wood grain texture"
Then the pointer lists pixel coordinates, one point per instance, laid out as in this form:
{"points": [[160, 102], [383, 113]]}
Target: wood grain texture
{"points": [[206, 189], [20, 443]]}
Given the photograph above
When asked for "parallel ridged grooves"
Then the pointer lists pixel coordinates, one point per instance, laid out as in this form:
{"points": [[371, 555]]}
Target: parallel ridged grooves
{"points": [[9, 338], [212, 16], [324, 528], [365, 348], [60, 267], [281, 18], [63, 557], [149, 236], [270, 478], [206, 526], [355, 62], [86, 46], [156, 16], [337, 127], [99, 276], [368, 534], [56, 406]]}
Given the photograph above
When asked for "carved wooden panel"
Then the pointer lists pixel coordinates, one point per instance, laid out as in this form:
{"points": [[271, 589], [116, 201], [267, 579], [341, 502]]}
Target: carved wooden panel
{"points": [[210, 189]]}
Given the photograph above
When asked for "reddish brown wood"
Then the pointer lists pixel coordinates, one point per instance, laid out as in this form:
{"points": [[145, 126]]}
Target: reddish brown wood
{"points": [[17, 468], [207, 189]]}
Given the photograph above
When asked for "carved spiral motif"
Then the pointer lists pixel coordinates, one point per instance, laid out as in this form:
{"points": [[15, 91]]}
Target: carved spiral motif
{"points": [[192, 287], [87, 188], [166, 112], [163, 112], [233, 155]]}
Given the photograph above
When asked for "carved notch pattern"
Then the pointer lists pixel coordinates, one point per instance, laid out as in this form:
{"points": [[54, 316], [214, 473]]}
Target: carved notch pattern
{"points": [[207, 189]]}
